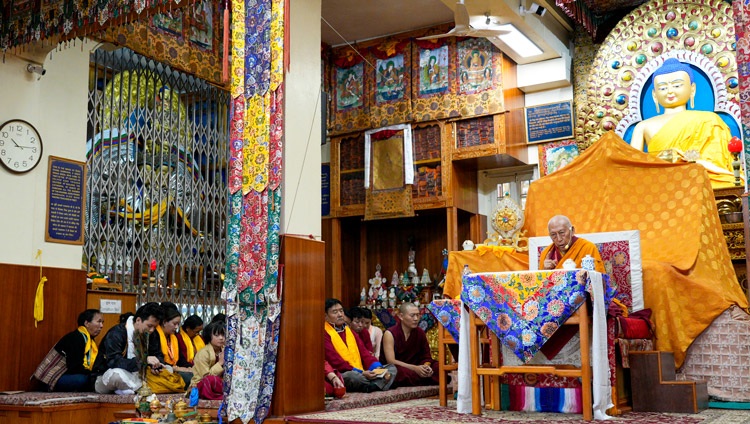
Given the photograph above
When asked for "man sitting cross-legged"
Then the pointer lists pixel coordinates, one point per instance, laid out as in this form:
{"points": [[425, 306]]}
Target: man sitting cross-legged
{"points": [[405, 345], [346, 353], [123, 352]]}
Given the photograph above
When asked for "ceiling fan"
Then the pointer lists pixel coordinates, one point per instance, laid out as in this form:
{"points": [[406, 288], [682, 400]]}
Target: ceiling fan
{"points": [[463, 28]]}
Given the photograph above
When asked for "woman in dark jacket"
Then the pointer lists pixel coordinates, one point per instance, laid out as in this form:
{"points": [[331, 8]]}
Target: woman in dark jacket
{"points": [[80, 352]]}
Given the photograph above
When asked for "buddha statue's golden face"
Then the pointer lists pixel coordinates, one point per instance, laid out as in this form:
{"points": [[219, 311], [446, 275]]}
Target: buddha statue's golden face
{"points": [[673, 90]]}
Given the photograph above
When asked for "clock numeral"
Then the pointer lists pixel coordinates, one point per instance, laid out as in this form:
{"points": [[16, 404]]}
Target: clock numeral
{"points": [[2, 142], [15, 164], [5, 134], [31, 158], [33, 150], [2, 152], [24, 164], [32, 139]]}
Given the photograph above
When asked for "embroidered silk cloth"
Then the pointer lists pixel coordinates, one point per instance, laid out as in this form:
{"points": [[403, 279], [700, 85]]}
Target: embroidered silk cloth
{"points": [[448, 314], [525, 308]]}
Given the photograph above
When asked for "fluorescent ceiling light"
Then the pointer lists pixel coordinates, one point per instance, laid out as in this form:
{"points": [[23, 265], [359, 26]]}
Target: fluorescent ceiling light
{"points": [[518, 42]]}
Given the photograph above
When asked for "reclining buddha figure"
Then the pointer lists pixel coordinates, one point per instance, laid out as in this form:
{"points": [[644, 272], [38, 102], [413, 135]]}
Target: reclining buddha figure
{"points": [[693, 135]]}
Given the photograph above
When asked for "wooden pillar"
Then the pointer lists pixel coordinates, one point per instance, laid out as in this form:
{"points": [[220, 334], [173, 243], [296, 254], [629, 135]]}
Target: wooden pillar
{"points": [[299, 385]]}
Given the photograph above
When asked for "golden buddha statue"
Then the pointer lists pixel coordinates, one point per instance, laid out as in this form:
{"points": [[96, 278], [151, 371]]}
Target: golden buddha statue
{"points": [[682, 133]]}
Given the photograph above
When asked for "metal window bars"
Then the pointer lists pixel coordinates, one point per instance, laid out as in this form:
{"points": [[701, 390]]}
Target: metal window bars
{"points": [[157, 151]]}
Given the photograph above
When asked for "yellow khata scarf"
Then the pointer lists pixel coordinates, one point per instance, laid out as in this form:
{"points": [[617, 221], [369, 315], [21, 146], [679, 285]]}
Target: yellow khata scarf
{"points": [[199, 343], [170, 350], [349, 351], [188, 345], [89, 353]]}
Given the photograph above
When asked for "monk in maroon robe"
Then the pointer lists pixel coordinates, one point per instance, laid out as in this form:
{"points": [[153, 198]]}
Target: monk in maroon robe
{"points": [[405, 346]]}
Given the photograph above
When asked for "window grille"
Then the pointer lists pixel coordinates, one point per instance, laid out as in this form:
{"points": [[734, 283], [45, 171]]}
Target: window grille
{"points": [[156, 212]]}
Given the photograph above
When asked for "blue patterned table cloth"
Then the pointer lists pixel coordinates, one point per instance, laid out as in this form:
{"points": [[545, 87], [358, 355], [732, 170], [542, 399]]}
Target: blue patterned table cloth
{"points": [[448, 314], [524, 308]]}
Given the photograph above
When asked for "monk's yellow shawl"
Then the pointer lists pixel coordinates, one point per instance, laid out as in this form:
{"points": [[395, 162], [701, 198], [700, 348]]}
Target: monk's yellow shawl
{"points": [[702, 131], [576, 252], [349, 351]]}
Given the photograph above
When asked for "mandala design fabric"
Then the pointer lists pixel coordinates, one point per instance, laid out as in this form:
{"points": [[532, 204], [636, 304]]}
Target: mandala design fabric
{"points": [[448, 314], [524, 309]]}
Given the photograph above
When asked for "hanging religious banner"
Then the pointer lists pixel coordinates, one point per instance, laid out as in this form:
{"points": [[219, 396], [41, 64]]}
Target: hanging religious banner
{"points": [[479, 77], [389, 172], [390, 83], [349, 110], [434, 92]]}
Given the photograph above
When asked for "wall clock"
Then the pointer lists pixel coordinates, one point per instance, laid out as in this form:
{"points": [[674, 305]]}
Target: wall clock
{"points": [[20, 146]]}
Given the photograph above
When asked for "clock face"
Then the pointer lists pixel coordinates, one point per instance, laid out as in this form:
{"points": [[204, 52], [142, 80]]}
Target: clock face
{"points": [[20, 146]]}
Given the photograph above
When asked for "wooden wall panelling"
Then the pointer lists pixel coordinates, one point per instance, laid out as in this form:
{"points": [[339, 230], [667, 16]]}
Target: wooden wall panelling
{"points": [[451, 220], [514, 100], [127, 301], [299, 378], [335, 176], [331, 235], [22, 345], [464, 189], [488, 149], [350, 250]]}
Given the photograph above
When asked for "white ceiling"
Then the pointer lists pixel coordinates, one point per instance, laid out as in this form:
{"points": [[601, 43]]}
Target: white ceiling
{"points": [[351, 21]]}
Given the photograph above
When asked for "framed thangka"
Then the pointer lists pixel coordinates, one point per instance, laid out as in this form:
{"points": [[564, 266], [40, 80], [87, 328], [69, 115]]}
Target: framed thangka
{"points": [[433, 71], [349, 87], [389, 79], [554, 156], [201, 32]]}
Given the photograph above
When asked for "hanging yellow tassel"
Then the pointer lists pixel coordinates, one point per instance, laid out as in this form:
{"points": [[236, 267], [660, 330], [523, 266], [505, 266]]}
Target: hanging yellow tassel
{"points": [[39, 297]]}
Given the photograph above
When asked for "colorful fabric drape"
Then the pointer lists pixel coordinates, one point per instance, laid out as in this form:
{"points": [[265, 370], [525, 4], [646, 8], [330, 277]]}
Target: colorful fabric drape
{"points": [[258, 34], [448, 314], [524, 309], [91, 349]]}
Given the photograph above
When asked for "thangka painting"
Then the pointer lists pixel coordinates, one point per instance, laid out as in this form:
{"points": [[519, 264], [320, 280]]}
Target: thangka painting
{"points": [[434, 91], [169, 22], [162, 37], [389, 79], [475, 68], [202, 25], [433, 71], [555, 156], [350, 87], [390, 83]]}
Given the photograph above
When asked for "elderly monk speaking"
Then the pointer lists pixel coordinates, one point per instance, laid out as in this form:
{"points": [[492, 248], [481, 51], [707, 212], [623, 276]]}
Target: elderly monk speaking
{"points": [[565, 245]]}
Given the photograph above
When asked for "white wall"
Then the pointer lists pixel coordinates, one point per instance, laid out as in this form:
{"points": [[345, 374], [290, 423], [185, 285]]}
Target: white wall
{"points": [[302, 151], [56, 104]]}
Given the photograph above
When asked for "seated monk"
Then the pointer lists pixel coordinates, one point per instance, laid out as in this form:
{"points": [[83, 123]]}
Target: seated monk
{"points": [[357, 324], [679, 129], [405, 346], [565, 245], [346, 353]]}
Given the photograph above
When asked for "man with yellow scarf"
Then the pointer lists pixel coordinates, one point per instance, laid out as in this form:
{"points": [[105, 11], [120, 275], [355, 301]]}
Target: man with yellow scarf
{"points": [[346, 353], [80, 352]]}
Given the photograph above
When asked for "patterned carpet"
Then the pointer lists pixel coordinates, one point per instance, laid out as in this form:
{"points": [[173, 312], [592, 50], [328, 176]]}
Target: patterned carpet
{"points": [[429, 411]]}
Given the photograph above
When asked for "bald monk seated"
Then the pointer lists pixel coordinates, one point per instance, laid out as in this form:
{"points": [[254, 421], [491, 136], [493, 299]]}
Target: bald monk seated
{"points": [[405, 346], [565, 245]]}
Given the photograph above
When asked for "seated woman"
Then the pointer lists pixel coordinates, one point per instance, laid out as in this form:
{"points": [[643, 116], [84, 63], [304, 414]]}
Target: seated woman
{"points": [[162, 344], [190, 341], [80, 352], [208, 366]]}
